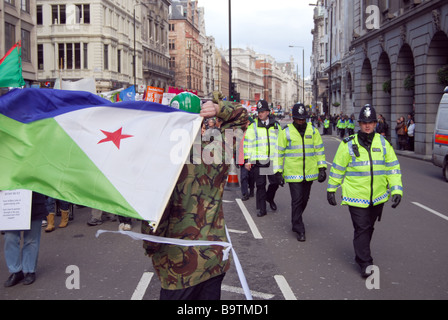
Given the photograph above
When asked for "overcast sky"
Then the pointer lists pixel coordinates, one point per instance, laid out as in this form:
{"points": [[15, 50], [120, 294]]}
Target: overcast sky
{"points": [[266, 26]]}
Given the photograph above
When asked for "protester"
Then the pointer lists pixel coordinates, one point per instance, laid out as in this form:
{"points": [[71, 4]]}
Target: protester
{"points": [[302, 161], [125, 223], [401, 131], [96, 219], [195, 212], [260, 146], [411, 132], [211, 123], [382, 126], [22, 262], [367, 169], [51, 208]]}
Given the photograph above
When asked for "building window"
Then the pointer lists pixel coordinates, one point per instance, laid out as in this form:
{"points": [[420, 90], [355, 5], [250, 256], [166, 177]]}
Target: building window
{"points": [[39, 15], [69, 55], [25, 5], [83, 13], [77, 55], [40, 56], [11, 2], [58, 14], [150, 29], [119, 61], [172, 44], [86, 64], [61, 55], [26, 46], [172, 62], [106, 57], [10, 35]]}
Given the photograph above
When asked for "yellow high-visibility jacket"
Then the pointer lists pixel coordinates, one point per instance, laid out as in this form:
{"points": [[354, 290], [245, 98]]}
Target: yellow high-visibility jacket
{"points": [[260, 143], [370, 178], [300, 157]]}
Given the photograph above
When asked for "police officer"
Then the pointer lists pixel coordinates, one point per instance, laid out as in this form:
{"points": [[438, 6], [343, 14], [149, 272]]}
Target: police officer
{"points": [[326, 125], [302, 161], [260, 146], [368, 170]]}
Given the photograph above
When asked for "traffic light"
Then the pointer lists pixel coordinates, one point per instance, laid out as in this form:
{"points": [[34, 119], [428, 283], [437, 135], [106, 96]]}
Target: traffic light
{"points": [[234, 95], [232, 91]]}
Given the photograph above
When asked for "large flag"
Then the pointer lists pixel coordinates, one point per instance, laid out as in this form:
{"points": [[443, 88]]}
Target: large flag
{"points": [[11, 68], [122, 158]]}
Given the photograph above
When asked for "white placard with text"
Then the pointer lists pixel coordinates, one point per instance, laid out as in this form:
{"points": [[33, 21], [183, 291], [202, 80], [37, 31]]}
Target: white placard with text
{"points": [[15, 209]]}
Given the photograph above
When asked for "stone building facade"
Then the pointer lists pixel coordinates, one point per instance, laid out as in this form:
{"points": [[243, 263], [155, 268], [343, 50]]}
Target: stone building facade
{"points": [[387, 54], [410, 43], [186, 47], [99, 39]]}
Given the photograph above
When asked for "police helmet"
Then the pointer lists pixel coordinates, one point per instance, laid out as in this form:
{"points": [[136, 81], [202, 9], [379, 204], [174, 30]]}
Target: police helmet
{"points": [[299, 111], [187, 101], [367, 114], [263, 105]]}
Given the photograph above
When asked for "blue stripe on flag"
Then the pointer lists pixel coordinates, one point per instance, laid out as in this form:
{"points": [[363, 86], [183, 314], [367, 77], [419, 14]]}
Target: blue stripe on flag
{"points": [[38, 104]]}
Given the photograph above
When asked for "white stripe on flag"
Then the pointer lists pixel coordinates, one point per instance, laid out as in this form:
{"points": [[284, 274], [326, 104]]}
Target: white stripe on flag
{"points": [[143, 168]]}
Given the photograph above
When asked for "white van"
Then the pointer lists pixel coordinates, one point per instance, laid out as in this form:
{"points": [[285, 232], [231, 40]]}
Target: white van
{"points": [[440, 150]]}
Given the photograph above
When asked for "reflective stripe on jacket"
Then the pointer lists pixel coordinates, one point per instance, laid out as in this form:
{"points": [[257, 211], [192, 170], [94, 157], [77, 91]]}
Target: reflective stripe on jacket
{"points": [[368, 179], [300, 157]]}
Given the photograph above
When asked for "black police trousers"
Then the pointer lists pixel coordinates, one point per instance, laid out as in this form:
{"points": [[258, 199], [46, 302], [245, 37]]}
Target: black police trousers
{"points": [[363, 222], [262, 195], [300, 194]]}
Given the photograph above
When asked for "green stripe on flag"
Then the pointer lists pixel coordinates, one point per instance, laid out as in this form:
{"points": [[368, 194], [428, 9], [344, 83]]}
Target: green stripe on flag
{"points": [[40, 156]]}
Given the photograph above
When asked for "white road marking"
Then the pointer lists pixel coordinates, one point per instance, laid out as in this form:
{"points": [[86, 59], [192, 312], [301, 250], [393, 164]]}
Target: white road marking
{"points": [[255, 294], [430, 210], [250, 221], [285, 288], [142, 286]]}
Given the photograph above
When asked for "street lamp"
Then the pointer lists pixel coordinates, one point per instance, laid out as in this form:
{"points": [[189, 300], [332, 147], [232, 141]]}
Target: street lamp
{"points": [[230, 48], [303, 75], [135, 44]]}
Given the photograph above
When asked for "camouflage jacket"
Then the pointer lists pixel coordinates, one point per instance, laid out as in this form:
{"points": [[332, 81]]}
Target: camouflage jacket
{"points": [[195, 212]]}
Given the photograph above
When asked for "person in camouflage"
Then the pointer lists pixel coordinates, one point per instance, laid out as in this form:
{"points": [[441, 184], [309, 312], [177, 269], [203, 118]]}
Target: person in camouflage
{"points": [[195, 212]]}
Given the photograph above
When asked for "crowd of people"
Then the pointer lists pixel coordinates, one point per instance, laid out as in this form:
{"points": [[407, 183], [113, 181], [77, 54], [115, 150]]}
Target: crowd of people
{"points": [[270, 157], [405, 130], [344, 125]]}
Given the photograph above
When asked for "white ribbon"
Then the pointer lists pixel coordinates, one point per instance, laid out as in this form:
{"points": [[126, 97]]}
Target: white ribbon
{"points": [[192, 243]]}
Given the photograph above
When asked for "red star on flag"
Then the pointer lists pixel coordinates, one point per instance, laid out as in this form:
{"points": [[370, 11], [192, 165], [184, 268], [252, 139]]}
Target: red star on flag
{"points": [[115, 137]]}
